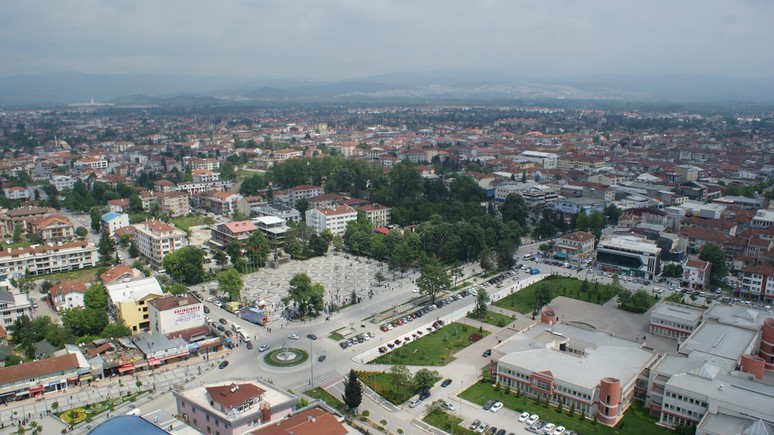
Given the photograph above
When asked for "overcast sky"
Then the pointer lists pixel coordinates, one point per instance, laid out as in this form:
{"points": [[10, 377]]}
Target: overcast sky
{"points": [[337, 39]]}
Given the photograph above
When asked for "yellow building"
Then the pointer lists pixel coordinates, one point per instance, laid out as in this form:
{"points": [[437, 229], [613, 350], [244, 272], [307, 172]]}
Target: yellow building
{"points": [[129, 301]]}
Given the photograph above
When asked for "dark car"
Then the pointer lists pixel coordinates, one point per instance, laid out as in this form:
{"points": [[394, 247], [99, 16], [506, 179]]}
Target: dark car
{"points": [[223, 321], [221, 328], [488, 404], [492, 430], [424, 395], [228, 334], [487, 353], [206, 310], [321, 358], [311, 336], [500, 432], [223, 365], [249, 344], [344, 345], [446, 383]]}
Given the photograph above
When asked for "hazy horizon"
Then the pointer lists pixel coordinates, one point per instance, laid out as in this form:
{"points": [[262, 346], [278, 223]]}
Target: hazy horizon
{"points": [[339, 40]]}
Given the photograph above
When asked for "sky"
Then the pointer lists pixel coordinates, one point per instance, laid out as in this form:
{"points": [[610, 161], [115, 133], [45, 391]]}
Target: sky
{"points": [[340, 39]]}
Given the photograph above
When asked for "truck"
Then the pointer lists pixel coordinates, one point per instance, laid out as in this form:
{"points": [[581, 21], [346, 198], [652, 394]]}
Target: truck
{"points": [[534, 271], [232, 307], [253, 315]]}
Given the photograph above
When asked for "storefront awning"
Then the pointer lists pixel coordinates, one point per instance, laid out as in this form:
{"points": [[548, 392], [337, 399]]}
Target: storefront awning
{"points": [[153, 362], [36, 389], [560, 255]]}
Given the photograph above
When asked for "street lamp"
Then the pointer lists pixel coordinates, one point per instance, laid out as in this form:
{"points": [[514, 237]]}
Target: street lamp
{"points": [[311, 366]]}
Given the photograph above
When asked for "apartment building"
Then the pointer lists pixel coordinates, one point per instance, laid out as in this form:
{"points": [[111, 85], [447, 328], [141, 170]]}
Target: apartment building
{"points": [[196, 163], [175, 313], [303, 192], [93, 163], [758, 282], [62, 182], [575, 245], [67, 294], [379, 215], [16, 193], [13, 304], [696, 274], [281, 211], [546, 160], [334, 219], [228, 232], [52, 228], [155, 239], [112, 221], [174, 204], [273, 228], [44, 259], [39, 377], [129, 301], [204, 175], [232, 407]]}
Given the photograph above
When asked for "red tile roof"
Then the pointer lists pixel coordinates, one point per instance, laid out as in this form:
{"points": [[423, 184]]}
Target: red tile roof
{"points": [[314, 421], [65, 287], [116, 272], [240, 226], [760, 269], [232, 395], [34, 369], [696, 264], [43, 248]]}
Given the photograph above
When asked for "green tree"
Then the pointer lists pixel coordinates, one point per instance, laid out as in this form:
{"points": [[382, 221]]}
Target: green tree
{"points": [[485, 260], [432, 278], [96, 219], [402, 379], [624, 297], [230, 281], [252, 185], [542, 296], [379, 277], [106, 249], [17, 233], [505, 250], [514, 208], [84, 321], [424, 379], [185, 265], [613, 213], [672, 270], [133, 251], [81, 232], [24, 335], [302, 205], [306, 296], [221, 259], [12, 360], [353, 391], [714, 254], [227, 171], [482, 304], [115, 330], [96, 297]]}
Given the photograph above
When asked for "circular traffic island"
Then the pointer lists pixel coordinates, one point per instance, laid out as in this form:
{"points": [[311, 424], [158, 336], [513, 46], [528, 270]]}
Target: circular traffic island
{"points": [[286, 357]]}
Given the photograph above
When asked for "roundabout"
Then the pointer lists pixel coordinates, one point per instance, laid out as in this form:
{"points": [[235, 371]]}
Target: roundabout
{"points": [[286, 357]]}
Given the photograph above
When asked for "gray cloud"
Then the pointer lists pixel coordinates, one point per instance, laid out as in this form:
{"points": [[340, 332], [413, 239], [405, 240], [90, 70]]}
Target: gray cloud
{"points": [[334, 39]]}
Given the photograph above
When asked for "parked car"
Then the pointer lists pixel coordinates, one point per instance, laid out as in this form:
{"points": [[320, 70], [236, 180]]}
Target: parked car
{"points": [[223, 321], [523, 417], [446, 383], [424, 395], [481, 428], [223, 365], [496, 407], [449, 406], [474, 425], [414, 403], [532, 419], [549, 428], [487, 353], [488, 404], [559, 430]]}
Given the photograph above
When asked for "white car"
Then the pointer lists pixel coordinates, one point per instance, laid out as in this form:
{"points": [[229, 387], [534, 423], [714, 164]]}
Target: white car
{"points": [[559, 430], [549, 428], [414, 403], [450, 406], [496, 407], [532, 419], [263, 348], [523, 417], [481, 427], [293, 336]]}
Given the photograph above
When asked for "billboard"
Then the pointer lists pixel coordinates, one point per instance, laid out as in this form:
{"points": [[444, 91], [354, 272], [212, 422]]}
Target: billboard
{"points": [[187, 314]]}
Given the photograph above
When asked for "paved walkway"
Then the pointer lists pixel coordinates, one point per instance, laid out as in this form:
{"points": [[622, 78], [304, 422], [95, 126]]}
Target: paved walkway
{"points": [[162, 379]]}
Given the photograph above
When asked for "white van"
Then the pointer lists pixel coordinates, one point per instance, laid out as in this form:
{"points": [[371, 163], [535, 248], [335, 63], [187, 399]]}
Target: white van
{"points": [[236, 328]]}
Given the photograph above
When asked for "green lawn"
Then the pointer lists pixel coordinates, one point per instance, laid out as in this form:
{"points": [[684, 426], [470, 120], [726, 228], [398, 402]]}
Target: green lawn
{"points": [[635, 421], [186, 222], [328, 398], [88, 275], [523, 301], [436, 348], [17, 245], [386, 384], [447, 422], [137, 217], [495, 319]]}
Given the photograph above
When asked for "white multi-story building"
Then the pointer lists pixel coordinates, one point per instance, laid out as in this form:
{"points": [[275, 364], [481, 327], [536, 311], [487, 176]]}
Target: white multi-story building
{"points": [[377, 214], [288, 214], [333, 219], [629, 255], [232, 407], [674, 320], [112, 221], [67, 294], [758, 282], [303, 192], [16, 193], [175, 313], [62, 182], [547, 160], [155, 239], [696, 274], [763, 219], [45, 259], [96, 163], [204, 175], [13, 304]]}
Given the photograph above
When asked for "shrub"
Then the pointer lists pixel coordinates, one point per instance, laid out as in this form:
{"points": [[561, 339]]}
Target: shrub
{"points": [[366, 413], [475, 337]]}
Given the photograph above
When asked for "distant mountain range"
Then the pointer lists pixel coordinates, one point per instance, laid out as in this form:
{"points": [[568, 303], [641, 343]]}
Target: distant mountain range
{"points": [[432, 86]]}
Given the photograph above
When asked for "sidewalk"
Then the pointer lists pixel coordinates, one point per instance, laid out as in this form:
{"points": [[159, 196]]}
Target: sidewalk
{"points": [[162, 379]]}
